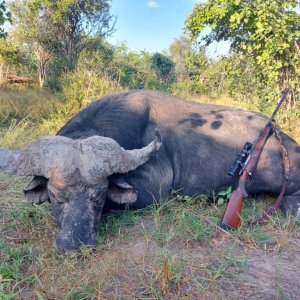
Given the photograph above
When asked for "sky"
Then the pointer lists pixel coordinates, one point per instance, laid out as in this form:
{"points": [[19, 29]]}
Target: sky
{"points": [[152, 25]]}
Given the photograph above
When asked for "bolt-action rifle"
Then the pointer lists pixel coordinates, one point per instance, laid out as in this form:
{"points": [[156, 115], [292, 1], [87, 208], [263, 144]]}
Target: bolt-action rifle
{"points": [[243, 168]]}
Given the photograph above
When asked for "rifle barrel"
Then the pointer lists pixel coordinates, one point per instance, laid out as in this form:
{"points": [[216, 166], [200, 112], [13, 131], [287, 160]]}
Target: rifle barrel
{"points": [[285, 93]]}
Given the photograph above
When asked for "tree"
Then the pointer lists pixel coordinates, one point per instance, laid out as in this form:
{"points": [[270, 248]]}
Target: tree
{"points": [[196, 73], [43, 58], [266, 31], [31, 33], [180, 50], [15, 64], [77, 24], [133, 69], [4, 16], [163, 67], [56, 32]]}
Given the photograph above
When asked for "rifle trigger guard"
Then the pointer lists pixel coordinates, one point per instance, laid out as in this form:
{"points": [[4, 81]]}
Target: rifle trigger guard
{"points": [[250, 175], [243, 190]]}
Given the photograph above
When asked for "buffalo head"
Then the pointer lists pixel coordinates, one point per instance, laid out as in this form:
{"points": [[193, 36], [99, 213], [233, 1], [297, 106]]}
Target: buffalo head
{"points": [[72, 175]]}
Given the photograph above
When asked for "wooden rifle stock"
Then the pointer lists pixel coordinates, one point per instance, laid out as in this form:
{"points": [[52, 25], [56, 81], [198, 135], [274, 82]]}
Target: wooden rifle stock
{"points": [[232, 216]]}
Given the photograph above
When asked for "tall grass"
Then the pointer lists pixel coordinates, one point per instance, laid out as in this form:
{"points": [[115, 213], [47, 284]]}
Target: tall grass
{"points": [[79, 89], [22, 110], [19, 102], [17, 134], [27, 113]]}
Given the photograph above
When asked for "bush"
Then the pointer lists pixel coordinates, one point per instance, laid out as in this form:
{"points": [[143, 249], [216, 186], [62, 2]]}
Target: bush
{"points": [[81, 87]]}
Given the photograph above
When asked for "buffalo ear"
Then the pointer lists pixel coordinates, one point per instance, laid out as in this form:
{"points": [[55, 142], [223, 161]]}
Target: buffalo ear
{"points": [[119, 191], [36, 192]]}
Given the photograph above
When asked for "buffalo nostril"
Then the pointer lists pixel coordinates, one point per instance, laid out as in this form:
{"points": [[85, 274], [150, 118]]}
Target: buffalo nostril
{"points": [[67, 243]]}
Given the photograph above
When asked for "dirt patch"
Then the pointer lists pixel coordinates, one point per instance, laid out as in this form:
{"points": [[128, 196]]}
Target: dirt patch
{"points": [[194, 272]]}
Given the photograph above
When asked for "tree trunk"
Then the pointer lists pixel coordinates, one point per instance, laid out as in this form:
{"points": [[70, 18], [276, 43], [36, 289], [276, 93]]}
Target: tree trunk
{"points": [[9, 79], [42, 73], [43, 57], [71, 54]]}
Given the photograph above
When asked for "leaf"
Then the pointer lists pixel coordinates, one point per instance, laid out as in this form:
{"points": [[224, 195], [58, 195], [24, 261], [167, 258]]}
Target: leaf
{"points": [[220, 202], [229, 190], [223, 193], [233, 18], [259, 25]]}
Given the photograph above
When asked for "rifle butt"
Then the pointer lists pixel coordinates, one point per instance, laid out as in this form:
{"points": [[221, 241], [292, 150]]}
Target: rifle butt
{"points": [[232, 216]]}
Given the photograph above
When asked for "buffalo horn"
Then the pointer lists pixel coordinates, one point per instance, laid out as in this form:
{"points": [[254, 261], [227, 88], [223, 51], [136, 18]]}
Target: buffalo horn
{"points": [[17, 162], [129, 160], [30, 160]]}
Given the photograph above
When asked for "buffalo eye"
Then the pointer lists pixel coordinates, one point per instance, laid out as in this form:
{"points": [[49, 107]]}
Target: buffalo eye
{"points": [[58, 197], [95, 196]]}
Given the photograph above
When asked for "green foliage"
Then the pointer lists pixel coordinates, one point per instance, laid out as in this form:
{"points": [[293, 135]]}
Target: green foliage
{"points": [[14, 60], [133, 70], [56, 32], [223, 196], [196, 73], [89, 82], [267, 31], [31, 34], [4, 16], [115, 221], [192, 68], [11, 54], [84, 294], [207, 75], [86, 84], [34, 217], [130, 68], [77, 24], [240, 82], [261, 237], [191, 227], [179, 52], [163, 67], [125, 68]]}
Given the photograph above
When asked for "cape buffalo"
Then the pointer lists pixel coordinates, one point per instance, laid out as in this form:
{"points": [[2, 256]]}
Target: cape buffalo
{"points": [[79, 172]]}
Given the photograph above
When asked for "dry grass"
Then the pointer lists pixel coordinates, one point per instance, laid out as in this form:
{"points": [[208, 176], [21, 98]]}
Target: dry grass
{"points": [[19, 102], [17, 134], [223, 100], [166, 252]]}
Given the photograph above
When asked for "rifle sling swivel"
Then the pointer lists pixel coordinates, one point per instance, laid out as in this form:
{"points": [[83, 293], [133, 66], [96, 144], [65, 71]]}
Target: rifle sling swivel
{"points": [[286, 166]]}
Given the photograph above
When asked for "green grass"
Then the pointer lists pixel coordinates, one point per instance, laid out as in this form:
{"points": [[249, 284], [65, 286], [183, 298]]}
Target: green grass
{"points": [[13, 261], [115, 222]]}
